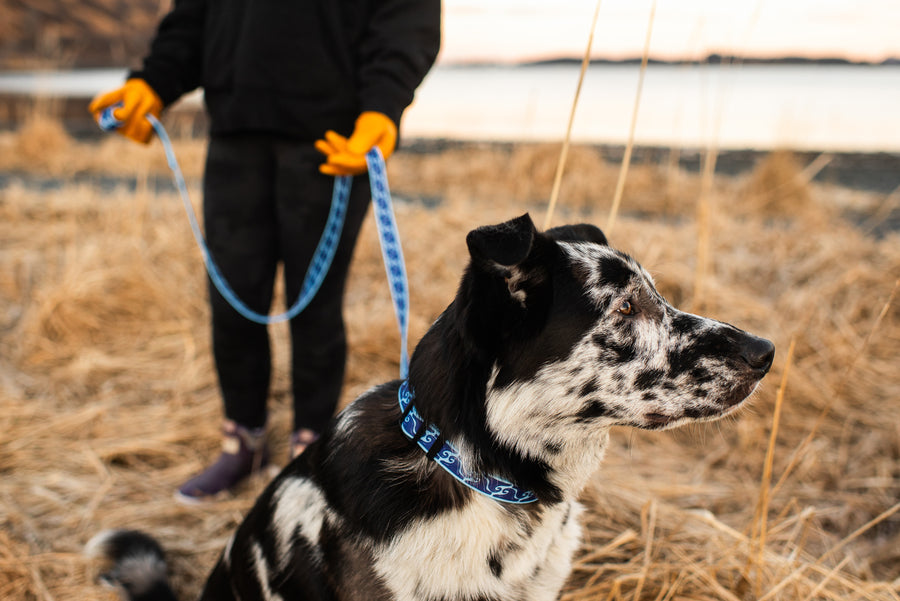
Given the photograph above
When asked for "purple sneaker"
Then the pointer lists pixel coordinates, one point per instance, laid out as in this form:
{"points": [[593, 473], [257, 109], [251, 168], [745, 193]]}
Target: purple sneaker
{"points": [[243, 453]]}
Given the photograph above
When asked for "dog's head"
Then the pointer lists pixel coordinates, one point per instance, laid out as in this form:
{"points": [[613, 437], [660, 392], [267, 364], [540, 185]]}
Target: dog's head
{"points": [[563, 336]]}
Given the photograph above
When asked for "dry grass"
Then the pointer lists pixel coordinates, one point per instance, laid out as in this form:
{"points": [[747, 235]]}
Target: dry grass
{"points": [[109, 400]]}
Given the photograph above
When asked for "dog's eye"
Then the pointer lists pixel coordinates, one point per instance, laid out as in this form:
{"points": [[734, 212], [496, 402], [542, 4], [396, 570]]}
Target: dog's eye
{"points": [[626, 308]]}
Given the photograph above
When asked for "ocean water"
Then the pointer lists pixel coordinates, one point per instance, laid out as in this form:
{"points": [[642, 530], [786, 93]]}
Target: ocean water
{"points": [[811, 107], [805, 107]]}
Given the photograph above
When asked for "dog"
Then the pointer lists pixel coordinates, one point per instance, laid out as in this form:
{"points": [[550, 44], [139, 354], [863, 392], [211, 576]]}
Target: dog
{"points": [[462, 482]]}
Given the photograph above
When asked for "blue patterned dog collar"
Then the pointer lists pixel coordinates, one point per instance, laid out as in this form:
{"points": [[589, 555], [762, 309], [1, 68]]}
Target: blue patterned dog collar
{"points": [[448, 457]]}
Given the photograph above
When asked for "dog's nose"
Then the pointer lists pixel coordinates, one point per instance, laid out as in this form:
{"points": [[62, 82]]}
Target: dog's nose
{"points": [[758, 353]]}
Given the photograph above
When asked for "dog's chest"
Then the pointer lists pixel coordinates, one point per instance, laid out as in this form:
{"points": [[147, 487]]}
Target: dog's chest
{"points": [[482, 550]]}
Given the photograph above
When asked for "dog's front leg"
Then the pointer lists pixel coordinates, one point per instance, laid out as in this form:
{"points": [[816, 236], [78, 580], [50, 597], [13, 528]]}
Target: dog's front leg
{"points": [[264, 561], [218, 585]]}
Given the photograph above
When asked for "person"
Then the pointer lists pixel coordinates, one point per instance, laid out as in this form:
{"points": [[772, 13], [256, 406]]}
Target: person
{"points": [[277, 76]]}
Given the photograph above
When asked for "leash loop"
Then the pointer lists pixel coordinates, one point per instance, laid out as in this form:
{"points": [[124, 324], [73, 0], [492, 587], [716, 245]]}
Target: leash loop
{"points": [[388, 236], [317, 269]]}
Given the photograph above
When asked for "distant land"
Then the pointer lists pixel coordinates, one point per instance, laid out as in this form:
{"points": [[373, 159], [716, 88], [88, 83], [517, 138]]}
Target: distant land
{"points": [[71, 34], [66, 34], [711, 59]]}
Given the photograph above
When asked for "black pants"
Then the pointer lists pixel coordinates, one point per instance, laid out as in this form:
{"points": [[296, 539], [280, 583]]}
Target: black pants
{"points": [[264, 202]]}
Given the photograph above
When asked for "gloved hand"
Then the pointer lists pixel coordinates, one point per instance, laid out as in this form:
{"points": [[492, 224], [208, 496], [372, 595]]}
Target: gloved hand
{"points": [[137, 99], [347, 156]]}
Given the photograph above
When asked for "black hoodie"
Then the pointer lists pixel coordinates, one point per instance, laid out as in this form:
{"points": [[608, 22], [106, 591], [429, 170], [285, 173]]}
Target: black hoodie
{"points": [[294, 67]]}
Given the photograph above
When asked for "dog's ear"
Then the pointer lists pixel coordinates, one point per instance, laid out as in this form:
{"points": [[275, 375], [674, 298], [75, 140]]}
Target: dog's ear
{"points": [[503, 254], [504, 245], [582, 232]]}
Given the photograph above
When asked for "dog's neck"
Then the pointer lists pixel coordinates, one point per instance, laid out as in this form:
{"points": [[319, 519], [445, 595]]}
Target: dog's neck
{"points": [[516, 418], [566, 470], [450, 374]]}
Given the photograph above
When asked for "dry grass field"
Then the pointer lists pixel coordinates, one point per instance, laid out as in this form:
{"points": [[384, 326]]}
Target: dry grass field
{"points": [[109, 400]]}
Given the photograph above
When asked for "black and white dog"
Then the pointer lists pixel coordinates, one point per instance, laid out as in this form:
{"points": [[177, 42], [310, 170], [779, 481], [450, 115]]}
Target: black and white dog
{"points": [[462, 483]]}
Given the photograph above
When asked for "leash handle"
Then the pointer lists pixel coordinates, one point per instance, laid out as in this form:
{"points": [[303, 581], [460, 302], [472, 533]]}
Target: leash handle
{"points": [[107, 121]]}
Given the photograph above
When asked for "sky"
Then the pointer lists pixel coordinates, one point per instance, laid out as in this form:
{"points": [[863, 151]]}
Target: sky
{"points": [[522, 30]]}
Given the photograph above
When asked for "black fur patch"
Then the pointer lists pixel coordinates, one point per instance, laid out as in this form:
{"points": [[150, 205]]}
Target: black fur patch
{"points": [[582, 232], [495, 565], [648, 378], [712, 343], [593, 410], [621, 353], [588, 388], [553, 448], [615, 273]]}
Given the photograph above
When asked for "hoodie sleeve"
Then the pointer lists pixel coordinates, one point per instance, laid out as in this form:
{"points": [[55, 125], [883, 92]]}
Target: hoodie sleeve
{"points": [[398, 48], [174, 65]]}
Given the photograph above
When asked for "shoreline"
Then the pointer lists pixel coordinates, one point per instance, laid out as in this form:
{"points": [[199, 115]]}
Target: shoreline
{"points": [[867, 171], [870, 171], [876, 172]]}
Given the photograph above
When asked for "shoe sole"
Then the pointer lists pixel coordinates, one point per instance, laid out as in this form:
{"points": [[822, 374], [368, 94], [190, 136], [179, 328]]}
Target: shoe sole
{"points": [[269, 472]]}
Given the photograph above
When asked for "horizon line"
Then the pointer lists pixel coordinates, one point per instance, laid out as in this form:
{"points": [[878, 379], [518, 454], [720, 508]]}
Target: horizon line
{"points": [[713, 58]]}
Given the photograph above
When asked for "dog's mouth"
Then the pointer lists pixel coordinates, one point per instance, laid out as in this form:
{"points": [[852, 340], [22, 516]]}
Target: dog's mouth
{"points": [[742, 391], [718, 409]]}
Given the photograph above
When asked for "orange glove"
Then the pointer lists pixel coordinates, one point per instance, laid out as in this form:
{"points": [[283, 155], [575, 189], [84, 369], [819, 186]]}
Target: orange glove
{"points": [[347, 156], [137, 100]]}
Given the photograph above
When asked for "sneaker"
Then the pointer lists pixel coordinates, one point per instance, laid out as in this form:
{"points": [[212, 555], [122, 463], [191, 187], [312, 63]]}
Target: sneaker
{"points": [[243, 453], [301, 439]]}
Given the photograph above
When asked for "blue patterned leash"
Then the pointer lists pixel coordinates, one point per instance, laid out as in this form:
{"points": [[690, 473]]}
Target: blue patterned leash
{"points": [[391, 252], [318, 267], [448, 456], [388, 235]]}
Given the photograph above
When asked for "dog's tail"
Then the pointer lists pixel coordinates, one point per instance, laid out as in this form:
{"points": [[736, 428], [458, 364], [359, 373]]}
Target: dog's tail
{"points": [[138, 564]]}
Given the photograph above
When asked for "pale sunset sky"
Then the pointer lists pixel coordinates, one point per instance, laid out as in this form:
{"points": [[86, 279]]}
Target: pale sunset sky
{"points": [[522, 30]]}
